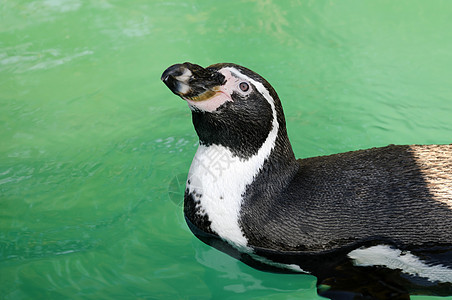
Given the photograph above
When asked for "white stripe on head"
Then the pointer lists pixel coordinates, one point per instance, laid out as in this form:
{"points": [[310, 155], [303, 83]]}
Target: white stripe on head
{"points": [[383, 255], [221, 178], [259, 86]]}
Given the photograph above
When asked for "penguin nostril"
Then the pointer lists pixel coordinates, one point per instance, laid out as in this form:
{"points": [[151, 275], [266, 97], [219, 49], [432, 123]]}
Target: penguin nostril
{"points": [[173, 71]]}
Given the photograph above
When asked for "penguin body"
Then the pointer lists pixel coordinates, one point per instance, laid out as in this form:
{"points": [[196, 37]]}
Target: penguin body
{"points": [[388, 210], [332, 201]]}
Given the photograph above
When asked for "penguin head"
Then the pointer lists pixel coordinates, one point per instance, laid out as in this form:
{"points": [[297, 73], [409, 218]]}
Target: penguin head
{"points": [[231, 105]]}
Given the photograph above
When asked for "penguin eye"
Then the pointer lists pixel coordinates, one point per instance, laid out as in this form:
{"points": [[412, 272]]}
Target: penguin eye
{"points": [[244, 86]]}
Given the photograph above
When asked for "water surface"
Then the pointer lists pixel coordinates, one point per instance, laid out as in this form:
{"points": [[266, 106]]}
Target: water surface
{"points": [[94, 148]]}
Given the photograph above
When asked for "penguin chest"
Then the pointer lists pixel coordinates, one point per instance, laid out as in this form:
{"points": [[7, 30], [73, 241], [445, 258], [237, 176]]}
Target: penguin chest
{"points": [[216, 182]]}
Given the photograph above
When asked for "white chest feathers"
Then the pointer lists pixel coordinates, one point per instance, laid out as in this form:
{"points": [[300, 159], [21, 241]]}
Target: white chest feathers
{"points": [[218, 179]]}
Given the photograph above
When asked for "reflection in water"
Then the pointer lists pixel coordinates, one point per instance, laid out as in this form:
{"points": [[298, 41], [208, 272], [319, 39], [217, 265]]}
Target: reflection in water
{"points": [[245, 279]]}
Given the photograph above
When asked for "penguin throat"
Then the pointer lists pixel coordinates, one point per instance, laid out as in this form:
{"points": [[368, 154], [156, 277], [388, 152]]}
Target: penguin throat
{"points": [[240, 136]]}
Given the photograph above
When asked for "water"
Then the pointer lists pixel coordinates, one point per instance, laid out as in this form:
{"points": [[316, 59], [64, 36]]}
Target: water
{"points": [[94, 148]]}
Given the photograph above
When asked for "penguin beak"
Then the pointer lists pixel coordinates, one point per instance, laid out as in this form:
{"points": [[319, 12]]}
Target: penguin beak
{"points": [[193, 82]]}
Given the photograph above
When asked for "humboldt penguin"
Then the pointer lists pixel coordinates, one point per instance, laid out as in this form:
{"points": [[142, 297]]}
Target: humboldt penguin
{"points": [[370, 224]]}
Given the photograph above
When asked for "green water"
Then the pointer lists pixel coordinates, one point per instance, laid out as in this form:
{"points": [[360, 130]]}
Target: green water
{"points": [[94, 148]]}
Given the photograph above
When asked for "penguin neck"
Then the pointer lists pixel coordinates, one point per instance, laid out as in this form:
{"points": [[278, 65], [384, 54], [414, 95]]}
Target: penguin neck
{"points": [[281, 165], [240, 135], [247, 141], [246, 134]]}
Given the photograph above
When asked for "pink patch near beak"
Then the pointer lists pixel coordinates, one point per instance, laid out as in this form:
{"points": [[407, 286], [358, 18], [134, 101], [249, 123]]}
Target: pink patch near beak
{"points": [[221, 96]]}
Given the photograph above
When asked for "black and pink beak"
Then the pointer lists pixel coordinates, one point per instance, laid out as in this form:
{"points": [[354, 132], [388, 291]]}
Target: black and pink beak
{"points": [[193, 82]]}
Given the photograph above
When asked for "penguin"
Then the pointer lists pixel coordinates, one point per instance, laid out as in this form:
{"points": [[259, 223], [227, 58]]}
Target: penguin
{"points": [[369, 224]]}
